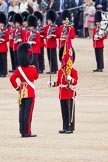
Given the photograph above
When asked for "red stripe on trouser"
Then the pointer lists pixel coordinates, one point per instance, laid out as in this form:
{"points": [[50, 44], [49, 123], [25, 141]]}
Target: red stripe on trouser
{"points": [[30, 116]]}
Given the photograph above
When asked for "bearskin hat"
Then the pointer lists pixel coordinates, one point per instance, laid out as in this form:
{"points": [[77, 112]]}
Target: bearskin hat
{"points": [[2, 18], [25, 15], [66, 14], [61, 53], [51, 15], [98, 17], [11, 16], [38, 15], [18, 18], [25, 55], [32, 21]]}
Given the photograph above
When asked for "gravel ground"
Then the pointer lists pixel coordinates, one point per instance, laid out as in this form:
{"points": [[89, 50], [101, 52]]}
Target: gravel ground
{"points": [[89, 143]]}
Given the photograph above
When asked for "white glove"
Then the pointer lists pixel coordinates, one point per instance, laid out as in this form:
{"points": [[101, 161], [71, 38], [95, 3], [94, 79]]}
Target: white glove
{"points": [[19, 40], [69, 78], [2, 40], [50, 83], [32, 42]]}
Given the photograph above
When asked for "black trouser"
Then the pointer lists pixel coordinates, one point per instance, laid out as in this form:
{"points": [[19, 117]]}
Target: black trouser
{"points": [[99, 58], [3, 63], [65, 113], [16, 59], [12, 56], [25, 115], [52, 58], [35, 61], [41, 60]]}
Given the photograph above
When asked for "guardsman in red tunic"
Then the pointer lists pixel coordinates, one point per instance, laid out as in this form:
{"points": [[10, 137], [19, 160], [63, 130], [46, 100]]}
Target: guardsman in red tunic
{"points": [[98, 45], [33, 37], [66, 94], [4, 38], [11, 30], [25, 15], [51, 34], [40, 29], [65, 30], [27, 73], [19, 35]]}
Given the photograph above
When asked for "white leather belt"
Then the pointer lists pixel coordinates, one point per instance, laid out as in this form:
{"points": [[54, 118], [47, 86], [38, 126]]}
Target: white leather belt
{"points": [[64, 86]]}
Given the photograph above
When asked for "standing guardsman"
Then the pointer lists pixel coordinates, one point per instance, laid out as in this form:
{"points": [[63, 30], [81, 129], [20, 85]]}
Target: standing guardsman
{"points": [[4, 37], [98, 45], [19, 35], [27, 74], [64, 30], [33, 37], [51, 34], [25, 15], [11, 30], [66, 80], [40, 29]]}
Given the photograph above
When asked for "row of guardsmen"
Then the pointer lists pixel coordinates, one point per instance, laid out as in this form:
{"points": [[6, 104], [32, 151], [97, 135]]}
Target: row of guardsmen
{"points": [[29, 28]]}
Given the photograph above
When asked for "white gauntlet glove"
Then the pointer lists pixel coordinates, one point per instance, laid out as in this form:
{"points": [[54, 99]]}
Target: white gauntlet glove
{"points": [[32, 42], [50, 83], [69, 78]]}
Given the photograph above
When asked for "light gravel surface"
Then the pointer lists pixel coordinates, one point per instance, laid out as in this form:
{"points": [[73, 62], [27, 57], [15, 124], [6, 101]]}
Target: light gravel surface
{"points": [[89, 143]]}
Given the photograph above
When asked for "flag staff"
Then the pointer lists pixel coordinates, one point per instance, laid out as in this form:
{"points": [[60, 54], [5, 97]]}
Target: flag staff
{"points": [[68, 64]]}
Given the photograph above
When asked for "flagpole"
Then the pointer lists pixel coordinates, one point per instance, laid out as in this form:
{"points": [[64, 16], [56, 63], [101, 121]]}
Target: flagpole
{"points": [[50, 66], [73, 107], [67, 24]]}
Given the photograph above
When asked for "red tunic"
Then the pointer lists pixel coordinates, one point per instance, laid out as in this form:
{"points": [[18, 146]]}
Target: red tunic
{"points": [[51, 42], [63, 30], [11, 41], [42, 36], [3, 44], [22, 34], [98, 43], [31, 74], [62, 83], [35, 47]]}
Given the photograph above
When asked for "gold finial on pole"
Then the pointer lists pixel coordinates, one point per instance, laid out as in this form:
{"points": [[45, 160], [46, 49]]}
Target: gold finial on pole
{"points": [[67, 23]]}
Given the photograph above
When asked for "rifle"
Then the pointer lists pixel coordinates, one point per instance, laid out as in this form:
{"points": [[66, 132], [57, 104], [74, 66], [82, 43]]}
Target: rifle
{"points": [[18, 35], [2, 33], [33, 35], [40, 29], [51, 30], [64, 33]]}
